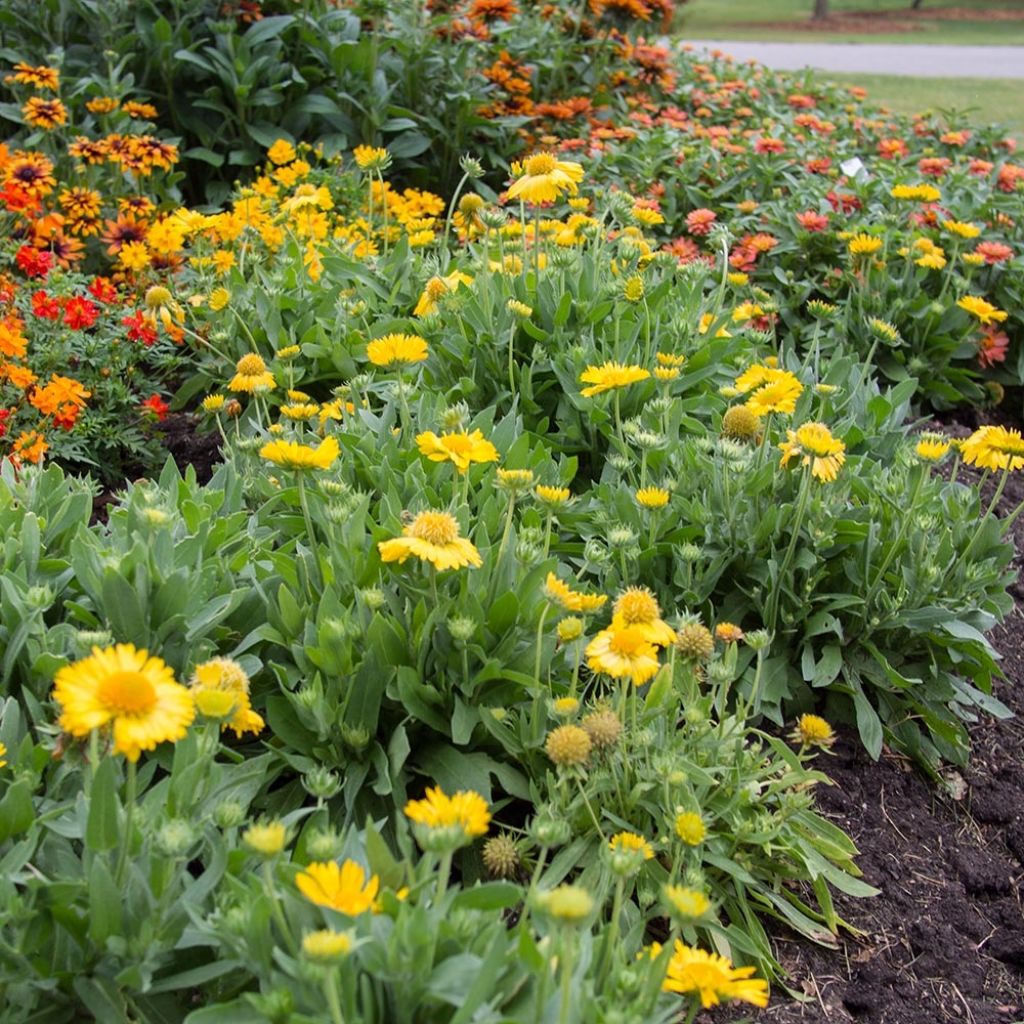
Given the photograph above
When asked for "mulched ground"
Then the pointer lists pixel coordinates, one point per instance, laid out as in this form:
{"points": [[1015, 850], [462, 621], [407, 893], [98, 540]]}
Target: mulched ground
{"points": [[868, 21], [944, 942]]}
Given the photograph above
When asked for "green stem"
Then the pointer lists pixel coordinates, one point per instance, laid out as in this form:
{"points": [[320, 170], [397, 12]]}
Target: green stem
{"points": [[333, 996], [612, 934], [539, 648], [443, 873], [275, 908], [773, 605], [566, 967], [511, 364], [984, 519], [894, 547], [130, 788]]}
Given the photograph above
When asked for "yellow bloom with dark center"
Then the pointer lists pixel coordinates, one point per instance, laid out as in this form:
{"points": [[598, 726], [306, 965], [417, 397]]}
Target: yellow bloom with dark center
{"points": [[251, 375], [226, 676], [432, 537], [776, 396], [344, 888], [864, 245], [812, 731], [959, 227], [543, 178], [267, 839], [465, 812], [932, 447], [45, 114], [813, 445], [624, 653], [994, 448], [686, 903], [326, 946], [461, 449], [292, 455], [630, 842], [690, 828], [637, 607], [652, 497], [712, 978], [397, 350], [610, 375], [561, 593], [39, 77], [134, 694], [984, 311]]}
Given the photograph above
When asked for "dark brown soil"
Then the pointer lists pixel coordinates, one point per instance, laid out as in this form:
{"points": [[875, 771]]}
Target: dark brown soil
{"points": [[182, 439], [906, 20], [944, 942]]}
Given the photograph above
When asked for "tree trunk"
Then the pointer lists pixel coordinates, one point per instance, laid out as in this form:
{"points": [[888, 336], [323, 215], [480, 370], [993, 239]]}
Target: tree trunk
{"points": [[820, 9]]}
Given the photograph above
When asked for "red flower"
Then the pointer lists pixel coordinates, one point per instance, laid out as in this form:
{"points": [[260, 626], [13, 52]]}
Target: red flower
{"points": [[156, 406], [66, 416], [34, 262], [992, 346], [819, 166], [811, 221], [994, 252], [45, 307], [980, 168], [102, 289], [698, 222], [769, 146], [936, 166], [892, 149], [4, 413], [80, 314], [139, 329]]}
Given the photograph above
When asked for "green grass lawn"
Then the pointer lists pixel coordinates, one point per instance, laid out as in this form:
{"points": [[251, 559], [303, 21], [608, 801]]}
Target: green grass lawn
{"points": [[990, 100], [737, 19]]}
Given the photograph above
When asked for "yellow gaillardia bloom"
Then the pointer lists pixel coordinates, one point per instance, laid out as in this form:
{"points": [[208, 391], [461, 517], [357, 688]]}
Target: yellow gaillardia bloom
{"points": [[326, 946], [686, 903], [623, 653], [432, 537], [561, 593], [814, 445], [568, 745], [292, 455], [916, 193], [542, 178], [251, 375], [690, 828], [994, 448], [266, 839], [553, 497], [984, 311], [864, 245], [436, 289], [652, 497], [160, 305], [637, 607], [712, 978], [371, 158], [397, 350], [126, 689], [344, 888], [226, 676], [704, 325], [570, 904], [729, 633], [631, 842], [448, 822], [610, 375], [461, 449], [813, 731], [299, 411], [777, 395], [932, 447], [959, 227]]}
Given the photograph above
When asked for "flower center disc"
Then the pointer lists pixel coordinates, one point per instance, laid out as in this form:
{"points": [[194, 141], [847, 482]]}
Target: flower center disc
{"points": [[435, 527], [129, 693]]}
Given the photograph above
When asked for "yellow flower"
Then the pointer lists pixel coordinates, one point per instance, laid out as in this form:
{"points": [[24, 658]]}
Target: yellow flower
{"points": [[519, 308], [568, 745], [226, 676], [669, 359], [706, 320], [292, 455], [973, 259], [345, 888], [631, 842], [686, 903], [133, 256], [652, 497], [864, 245], [571, 600], [778, 395], [746, 311], [958, 227], [3, 755], [712, 977], [452, 820], [543, 178], [553, 497], [371, 157], [932, 447], [633, 289], [623, 653], [690, 828], [934, 259], [397, 349], [461, 449], [219, 298], [638, 607], [568, 903], [568, 629], [435, 290], [432, 537], [984, 311], [251, 375], [281, 152], [610, 375], [740, 423], [739, 279], [917, 193], [213, 403], [814, 445], [326, 946], [813, 731], [565, 706], [133, 693], [267, 839], [994, 448], [300, 411], [728, 633]]}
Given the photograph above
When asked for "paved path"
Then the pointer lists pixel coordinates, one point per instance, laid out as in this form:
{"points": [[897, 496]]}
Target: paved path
{"points": [[881, 59]]}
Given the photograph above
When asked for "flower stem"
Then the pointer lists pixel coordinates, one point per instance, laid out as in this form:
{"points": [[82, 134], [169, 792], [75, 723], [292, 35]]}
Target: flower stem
{"points": [[130, 787], [798, 520], [991, 506], [333, 997]]}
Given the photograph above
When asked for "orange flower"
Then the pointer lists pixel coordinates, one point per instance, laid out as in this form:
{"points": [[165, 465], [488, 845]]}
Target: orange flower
{"points": [[12, 341], [29, 446]]}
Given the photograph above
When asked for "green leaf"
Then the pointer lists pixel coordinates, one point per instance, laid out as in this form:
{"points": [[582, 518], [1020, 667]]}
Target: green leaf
{"points": [[104, 903], [16, 810], [102, 829]]}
